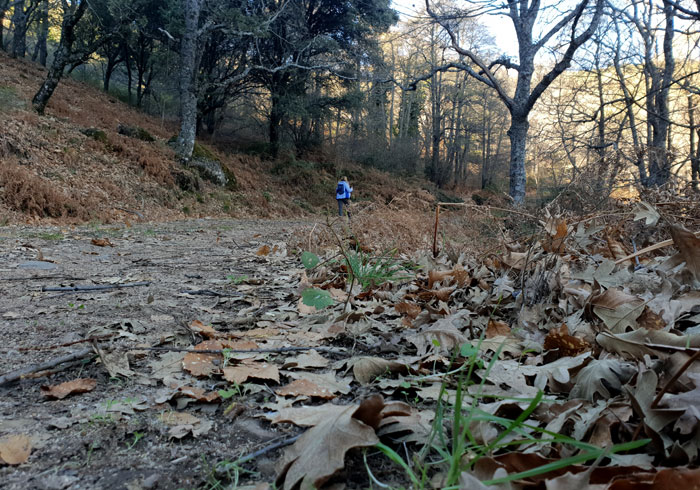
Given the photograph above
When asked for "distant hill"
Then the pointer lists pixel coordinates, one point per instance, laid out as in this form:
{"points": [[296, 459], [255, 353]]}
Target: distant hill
{"points": [[74, 165]]}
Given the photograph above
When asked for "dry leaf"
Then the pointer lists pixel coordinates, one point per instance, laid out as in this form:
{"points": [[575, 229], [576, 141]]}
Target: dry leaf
{"points": [[688, 246], [618, 310], [320, 451], [566, 345], [312, 359], [102, 242], [304, 387], [206, 331], [365, 369], [240, 373], [411, 310], [264, 250], [496, 328], [82, 385], [650, 320], [442, 294], [203, 364], [15, 449], [199, 394]]}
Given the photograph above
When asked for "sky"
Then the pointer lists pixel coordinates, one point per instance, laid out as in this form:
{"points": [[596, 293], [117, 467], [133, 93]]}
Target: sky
{"points": [[501, 27]]}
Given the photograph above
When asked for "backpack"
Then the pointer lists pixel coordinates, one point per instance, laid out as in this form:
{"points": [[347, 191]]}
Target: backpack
{"points": [[340, 190]]}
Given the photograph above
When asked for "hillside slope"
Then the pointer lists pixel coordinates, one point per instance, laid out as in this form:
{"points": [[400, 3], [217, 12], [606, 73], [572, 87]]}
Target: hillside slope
{"points": [[72, 165]]}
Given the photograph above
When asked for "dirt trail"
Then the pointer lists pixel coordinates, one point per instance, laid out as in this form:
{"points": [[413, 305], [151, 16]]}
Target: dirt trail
{"points": [[115, 437]]}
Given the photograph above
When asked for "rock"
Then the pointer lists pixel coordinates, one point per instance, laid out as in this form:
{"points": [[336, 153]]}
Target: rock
{"points": [[37, 264], [135, 132], [209, 169]]}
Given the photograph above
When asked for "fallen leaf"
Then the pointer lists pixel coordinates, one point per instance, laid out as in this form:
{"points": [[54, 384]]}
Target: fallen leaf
{"points": [[182, 424], [304, 387], [203, 364], [601, 375], [117, 363], [688, 246], [320, 451], [206, 331], [311, 359], [82, 385], [411, 310], [199, 394], [264, 250], [102, 242], [618, 310], [496, 328], [647, 212], [558, 339], [640, 342], [15, 449], [365, 369], [242, 372]]}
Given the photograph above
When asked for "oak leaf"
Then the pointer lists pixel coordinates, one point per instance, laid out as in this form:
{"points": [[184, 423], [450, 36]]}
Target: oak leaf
{"points": [[59, 392], [320, 451]]}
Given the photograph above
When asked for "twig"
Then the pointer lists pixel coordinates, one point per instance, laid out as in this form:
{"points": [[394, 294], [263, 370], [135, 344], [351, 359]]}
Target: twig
{"points": [[675, 377], [240, 351], [650, 248], [20, 373], [208, 292], [475, 206], [267, 449], [97, 287], [36, 278], [67, 344], [437, 220]]}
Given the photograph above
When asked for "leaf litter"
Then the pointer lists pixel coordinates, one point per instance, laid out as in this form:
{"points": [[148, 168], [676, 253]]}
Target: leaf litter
{"points": [[550, 348]]}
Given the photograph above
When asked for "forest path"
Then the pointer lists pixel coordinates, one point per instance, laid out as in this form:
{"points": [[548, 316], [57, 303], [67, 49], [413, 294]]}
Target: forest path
{"points": [[220, 272]]}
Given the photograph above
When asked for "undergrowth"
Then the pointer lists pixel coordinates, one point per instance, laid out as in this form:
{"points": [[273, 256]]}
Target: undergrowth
{"points": [[24, 191], [454, 447]]}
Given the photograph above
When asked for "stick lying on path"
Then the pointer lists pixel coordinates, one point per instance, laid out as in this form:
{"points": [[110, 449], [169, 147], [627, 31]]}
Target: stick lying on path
{"points": [[208, 292], [20, 373], [329, 350], [97, 287], [267, 449]]}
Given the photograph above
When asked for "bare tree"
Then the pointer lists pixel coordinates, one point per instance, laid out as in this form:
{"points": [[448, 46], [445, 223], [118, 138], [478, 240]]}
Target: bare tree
{"points": [[524, 15]]}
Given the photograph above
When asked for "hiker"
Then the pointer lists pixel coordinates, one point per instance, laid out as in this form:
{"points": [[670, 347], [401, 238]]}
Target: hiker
{"points": [[342, 194]]}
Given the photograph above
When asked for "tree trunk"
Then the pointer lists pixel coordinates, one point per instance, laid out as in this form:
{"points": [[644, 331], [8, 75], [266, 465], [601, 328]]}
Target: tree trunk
{"points": [[61, 57], [275, 125], [3, 8], [41, 50], [19, 37], [188, 85], [518, 141]]}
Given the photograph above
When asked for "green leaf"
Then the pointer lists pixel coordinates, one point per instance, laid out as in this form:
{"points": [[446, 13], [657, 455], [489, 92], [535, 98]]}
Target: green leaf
{"points": [[317, 298], [226, 394], [310, 260], [468, 350]]}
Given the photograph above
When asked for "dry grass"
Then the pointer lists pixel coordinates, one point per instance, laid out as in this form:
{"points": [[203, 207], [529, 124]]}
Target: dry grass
{"points": [[33, 195]]}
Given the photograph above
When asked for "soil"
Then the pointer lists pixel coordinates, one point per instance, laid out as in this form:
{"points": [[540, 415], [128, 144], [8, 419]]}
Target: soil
{"points": [[115, 437]]}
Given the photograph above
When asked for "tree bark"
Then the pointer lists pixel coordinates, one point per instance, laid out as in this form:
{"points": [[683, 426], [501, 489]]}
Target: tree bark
{"points": [[62, 57], [40, 49], [188, 80], [19, 36], [518, 145]]}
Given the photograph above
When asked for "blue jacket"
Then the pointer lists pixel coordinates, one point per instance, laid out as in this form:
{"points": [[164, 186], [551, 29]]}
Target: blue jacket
{"points": [[347, 190]]}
